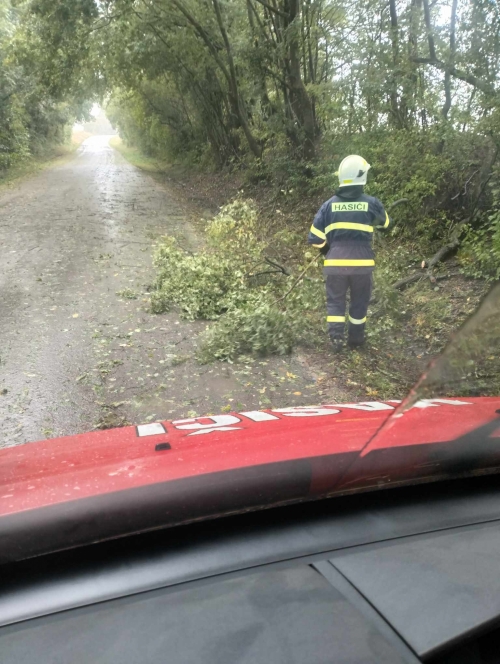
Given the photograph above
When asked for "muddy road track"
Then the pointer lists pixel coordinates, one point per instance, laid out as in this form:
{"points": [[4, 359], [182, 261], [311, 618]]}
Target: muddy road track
{"points": [[79, 347]]}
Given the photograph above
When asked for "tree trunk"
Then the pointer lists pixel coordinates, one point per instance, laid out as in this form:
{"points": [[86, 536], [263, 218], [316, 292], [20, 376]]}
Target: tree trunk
{"points": [[469, 108], [300, 101], [395, 111], [229, 74], [410, 78], [237, 101], [447, 76], [267, 107]]}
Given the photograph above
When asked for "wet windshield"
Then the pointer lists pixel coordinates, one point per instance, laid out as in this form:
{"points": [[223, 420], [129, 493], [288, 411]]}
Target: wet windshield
{"points": [[218, 208], [466, 374]]}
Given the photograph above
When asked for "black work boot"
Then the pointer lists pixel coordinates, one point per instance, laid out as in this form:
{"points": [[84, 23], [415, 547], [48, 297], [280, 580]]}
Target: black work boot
{"points": [[338, 344], [355, 343]]}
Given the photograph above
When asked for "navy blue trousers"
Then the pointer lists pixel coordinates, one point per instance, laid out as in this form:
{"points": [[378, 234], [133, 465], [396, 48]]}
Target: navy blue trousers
{"points": [[360, 289]]}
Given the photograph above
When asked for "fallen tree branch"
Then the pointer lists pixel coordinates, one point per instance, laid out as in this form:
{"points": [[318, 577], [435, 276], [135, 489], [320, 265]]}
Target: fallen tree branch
{"points": [[277, 266], [298, 280], [260, 274], [399, 285], [278, 269], [464, 190], [440, 277], [446, 250], [398, 202], [454, 243], [418, 276]]}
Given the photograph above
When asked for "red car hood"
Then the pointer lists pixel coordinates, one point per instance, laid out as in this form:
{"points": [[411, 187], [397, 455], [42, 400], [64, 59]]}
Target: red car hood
{"points": [[75, 490]]}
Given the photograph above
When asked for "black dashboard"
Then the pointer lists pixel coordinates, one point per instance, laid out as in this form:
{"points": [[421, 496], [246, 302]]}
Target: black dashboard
{"points": [[403, 575]]}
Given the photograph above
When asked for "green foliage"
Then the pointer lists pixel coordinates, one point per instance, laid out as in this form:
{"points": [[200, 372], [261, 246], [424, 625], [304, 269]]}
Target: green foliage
{"points": [[207, 284], [230, 282], [257, 328], [480, 248], [138, 128], [480, 253], [408, 167], [32, 120], [234, 232], [385, 310], [202, 285], [14, 136], [219, 81], [127, 294], [265, 325]]}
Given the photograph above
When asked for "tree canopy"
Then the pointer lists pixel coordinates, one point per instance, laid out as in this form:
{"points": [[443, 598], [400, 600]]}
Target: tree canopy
{"points": [[282, 87], [32, 116], [230, 78]]}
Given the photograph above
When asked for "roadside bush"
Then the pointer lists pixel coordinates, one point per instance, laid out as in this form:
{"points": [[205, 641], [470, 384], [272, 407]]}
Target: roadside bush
{"points": [[267, 326], [233, 232], [257, 328], [202, 285], [206, 284], [385, 310], [480, 253], [14, 136], [256, 309], [480, 248]]}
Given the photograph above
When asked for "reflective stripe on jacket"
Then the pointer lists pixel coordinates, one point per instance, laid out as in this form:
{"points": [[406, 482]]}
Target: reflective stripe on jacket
{"points": [[345, 224]]}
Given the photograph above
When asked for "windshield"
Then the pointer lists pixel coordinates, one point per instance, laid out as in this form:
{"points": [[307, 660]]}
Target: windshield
{"points": [[216, 209], [468, 366]]}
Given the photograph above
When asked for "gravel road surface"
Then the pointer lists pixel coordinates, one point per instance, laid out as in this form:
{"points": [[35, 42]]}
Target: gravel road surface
{"points": [[79, 348]]}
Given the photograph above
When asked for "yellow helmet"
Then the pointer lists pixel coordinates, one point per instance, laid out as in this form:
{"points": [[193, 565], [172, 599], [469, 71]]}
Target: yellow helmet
{"points": [[353, 170]]}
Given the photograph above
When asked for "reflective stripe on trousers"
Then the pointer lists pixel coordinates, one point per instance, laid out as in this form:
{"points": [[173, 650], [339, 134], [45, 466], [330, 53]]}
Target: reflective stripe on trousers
{"points": [[360, 287]]}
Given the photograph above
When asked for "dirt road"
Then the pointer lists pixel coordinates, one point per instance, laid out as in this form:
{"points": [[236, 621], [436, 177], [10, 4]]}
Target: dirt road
{"points": [[79, 347]]}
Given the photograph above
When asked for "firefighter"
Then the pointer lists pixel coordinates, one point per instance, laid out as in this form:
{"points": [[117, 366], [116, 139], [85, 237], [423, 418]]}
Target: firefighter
{"points": [[343, 230]]}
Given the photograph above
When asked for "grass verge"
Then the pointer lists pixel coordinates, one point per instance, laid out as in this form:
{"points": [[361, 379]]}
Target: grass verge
{"points": [[402, 342], [136, 157]]}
